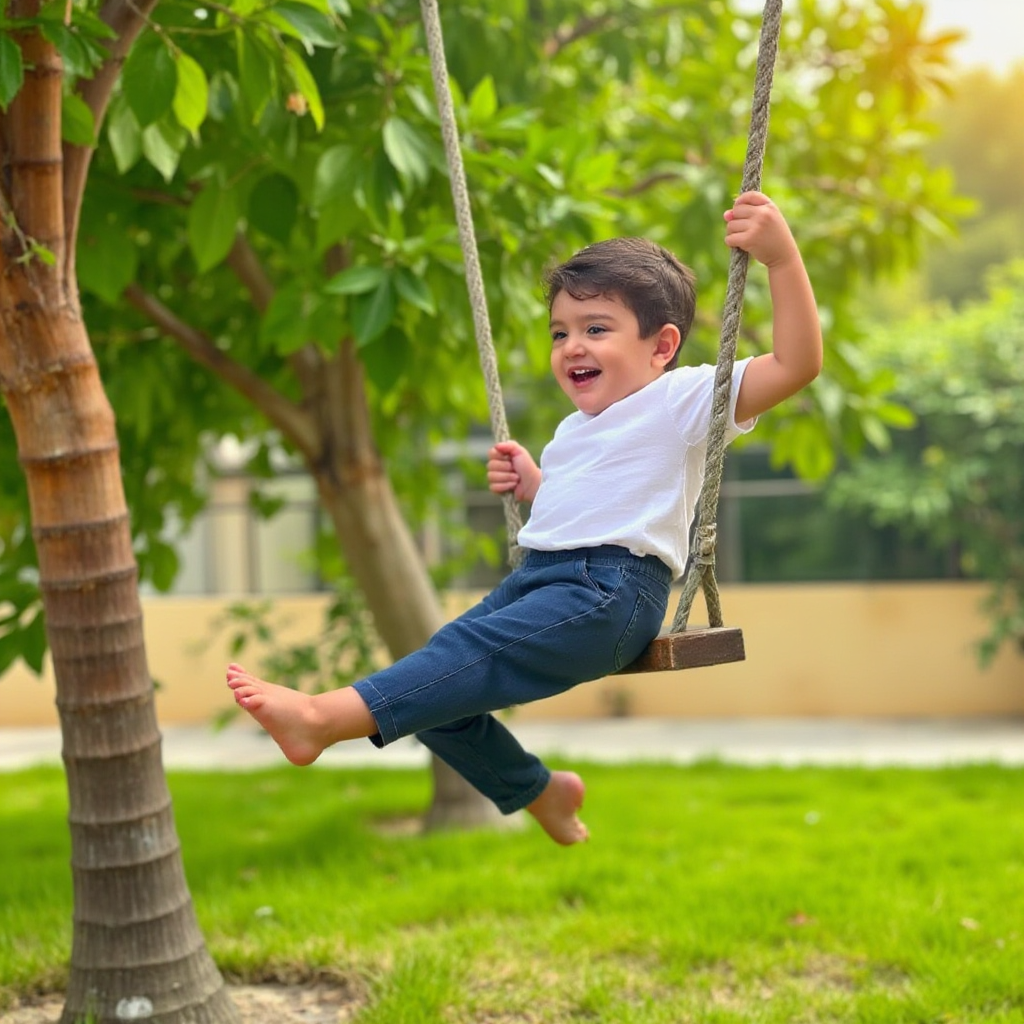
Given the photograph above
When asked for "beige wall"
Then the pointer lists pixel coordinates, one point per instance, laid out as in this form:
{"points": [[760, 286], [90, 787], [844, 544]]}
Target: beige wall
{"points": [[874, 650]]}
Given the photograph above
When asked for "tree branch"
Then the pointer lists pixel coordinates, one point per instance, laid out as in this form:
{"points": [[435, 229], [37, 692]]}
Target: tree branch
{"points": [[247, 267], [641, 186], [292, 421], [127, 18], [566, 35], [344, 392], [307, 363]]}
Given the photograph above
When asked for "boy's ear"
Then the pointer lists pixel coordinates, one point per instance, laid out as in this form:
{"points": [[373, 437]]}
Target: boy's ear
{"points": [[667, 344]]}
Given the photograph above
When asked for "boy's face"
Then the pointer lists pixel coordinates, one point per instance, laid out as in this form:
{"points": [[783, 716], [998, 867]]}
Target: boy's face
{"points": [[597, 354]]}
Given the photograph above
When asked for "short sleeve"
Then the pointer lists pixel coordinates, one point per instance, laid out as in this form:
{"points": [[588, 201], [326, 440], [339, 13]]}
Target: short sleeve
{"points": [[690, 398]]}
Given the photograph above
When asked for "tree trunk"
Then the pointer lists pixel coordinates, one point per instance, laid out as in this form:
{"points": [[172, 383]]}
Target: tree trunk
{"points": [[136, 946], [383, 557], [136, 943]]}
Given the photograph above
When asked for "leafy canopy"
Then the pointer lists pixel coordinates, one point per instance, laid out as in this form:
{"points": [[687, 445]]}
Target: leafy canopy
{"points": [[269, 175]]}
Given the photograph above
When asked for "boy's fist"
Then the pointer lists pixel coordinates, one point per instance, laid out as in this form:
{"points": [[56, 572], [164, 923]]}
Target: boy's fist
{"points": [[756, 225], [510, 467]]}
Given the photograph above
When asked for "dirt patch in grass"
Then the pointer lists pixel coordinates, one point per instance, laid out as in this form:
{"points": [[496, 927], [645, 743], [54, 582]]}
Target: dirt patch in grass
{"points": [[316, 1003], [820, 974]]}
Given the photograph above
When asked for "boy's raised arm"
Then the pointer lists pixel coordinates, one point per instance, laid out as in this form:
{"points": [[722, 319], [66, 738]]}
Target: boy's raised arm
{"points": [[756, 225]]}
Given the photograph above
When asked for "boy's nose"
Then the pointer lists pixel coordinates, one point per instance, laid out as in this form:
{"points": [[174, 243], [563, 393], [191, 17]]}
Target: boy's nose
{"points": [[574, 344]]}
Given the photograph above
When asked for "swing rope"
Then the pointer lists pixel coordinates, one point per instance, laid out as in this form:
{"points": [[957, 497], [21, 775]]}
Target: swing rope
{"points": [[700, 571], [470, 255]]}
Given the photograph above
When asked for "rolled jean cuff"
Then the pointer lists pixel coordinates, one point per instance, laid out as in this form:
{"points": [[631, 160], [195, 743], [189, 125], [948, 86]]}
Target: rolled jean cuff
{"points": [[524, 799], [387, 728]]}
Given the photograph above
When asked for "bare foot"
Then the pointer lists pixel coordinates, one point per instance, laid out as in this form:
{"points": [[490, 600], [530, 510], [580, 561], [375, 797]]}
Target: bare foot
{"points": [[303, 726], [555, 809]]}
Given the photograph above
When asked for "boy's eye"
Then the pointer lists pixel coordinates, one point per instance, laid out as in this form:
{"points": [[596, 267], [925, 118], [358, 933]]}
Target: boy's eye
{"points": [[558, 335], [596, 329]]}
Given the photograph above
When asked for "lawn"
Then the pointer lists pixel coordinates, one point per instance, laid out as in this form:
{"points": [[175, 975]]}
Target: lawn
{"points": [[709, 894]]}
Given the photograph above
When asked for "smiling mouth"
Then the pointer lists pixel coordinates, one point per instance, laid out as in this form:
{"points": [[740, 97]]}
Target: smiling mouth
{"points": [[582, 376]]}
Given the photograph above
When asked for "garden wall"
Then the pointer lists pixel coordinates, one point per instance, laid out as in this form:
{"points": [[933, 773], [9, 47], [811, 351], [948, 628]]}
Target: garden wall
{"points": [[826, 650]]}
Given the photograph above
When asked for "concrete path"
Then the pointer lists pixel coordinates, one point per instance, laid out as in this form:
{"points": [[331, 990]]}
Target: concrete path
{"points": [[923, 743]]}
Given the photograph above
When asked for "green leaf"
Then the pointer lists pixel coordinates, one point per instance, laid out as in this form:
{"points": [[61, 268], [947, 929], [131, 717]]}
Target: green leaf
{"points": [[483, 104], [192, 94], [335, 224], [283, 326], [326, 322], [415, 291], [45, 255], [107, 261], [306, 85], [33, 644], [307, 23], [386, 359], [76, 121], [274, 206], [12, 70], [356, 281], [10, 649], [76, 57], [162, 145], [266, 506], [372, 313], [257, 77], [812, 455], [334, 186], [875, 432], [88, 24], [381, 188], [406, 150], [149, 80], [124, 135], [337, 172], [898, 416], [162, 562], [212, 223]]}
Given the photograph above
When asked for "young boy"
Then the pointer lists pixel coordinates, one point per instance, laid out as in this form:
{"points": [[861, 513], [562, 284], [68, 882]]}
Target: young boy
{"points": [[612, 500]]}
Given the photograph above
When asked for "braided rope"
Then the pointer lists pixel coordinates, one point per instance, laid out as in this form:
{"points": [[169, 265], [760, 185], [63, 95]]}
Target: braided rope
{"points": [[470, 253], [701, 569]]}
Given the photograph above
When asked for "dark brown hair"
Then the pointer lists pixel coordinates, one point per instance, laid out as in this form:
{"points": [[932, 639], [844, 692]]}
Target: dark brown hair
{"points": [[642, 275]]}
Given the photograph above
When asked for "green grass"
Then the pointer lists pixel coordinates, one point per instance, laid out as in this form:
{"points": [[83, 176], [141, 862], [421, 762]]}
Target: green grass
{"points": [[711, 894]]}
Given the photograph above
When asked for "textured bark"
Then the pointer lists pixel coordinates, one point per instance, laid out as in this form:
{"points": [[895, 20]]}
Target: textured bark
{"points": [[136, 946]]}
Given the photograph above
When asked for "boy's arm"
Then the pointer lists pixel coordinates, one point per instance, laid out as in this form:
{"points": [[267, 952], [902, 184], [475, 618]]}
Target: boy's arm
{"points": [[756, 225], [510, 467]]}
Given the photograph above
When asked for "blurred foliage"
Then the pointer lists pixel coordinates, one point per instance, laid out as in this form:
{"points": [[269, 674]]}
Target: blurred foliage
{"points": [[981, 139], [958, 477], [305, 133]]}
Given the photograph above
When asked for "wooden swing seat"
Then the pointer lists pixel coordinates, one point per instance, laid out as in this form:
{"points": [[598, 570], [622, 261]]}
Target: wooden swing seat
{"points": [[692, 648]]}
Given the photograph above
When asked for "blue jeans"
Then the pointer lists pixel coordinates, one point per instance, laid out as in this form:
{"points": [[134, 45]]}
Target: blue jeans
{"points": [[561, 618]]}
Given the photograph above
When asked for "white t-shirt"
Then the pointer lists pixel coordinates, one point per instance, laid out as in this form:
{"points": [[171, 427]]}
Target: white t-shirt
{"points": [[631, 475]]}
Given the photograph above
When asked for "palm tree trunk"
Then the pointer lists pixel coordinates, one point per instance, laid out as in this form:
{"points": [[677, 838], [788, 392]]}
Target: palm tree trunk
{"points": [[136, 946], [136, 941]]}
